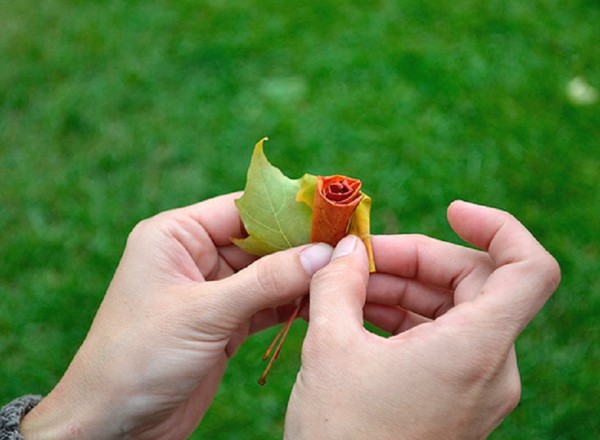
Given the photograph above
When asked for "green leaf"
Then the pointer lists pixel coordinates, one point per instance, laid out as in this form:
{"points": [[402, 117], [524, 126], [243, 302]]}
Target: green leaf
{"points": [[268, 208]]}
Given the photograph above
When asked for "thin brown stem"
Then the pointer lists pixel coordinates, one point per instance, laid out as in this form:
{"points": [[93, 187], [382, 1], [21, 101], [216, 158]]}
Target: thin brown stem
{"points": [[273, 342], [279, 339]]}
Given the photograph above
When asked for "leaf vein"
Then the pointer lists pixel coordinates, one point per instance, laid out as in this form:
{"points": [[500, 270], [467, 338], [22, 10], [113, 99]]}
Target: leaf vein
{"points": [[275, 212], [260, 223]]}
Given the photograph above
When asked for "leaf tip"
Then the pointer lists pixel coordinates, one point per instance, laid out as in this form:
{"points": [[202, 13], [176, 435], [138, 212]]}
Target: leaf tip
{"points": [[260, 144]]}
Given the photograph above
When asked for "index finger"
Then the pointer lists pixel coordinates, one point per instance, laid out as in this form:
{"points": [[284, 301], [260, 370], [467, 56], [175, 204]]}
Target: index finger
{"points": [[219, 217], [220, 220], [427, 260]]}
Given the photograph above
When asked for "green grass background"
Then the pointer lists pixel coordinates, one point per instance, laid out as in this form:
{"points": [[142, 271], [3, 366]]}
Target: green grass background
{"points": [[111, 111]]}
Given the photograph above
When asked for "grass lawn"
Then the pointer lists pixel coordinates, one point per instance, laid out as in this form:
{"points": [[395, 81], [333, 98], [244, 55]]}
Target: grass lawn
{"points": [[111, 111]]}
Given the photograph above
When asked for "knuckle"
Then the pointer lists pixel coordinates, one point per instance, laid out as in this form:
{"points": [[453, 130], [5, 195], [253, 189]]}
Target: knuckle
{"points": [[552, 271], [508, 393], [420, 240], [483, 367], [547, 272], [139, 230], [147, 227], [140, 233], [150, 231], [512, 394]]}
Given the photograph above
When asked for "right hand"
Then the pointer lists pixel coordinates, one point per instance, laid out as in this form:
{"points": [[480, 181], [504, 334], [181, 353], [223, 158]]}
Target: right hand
{"points": [[449, 370]]}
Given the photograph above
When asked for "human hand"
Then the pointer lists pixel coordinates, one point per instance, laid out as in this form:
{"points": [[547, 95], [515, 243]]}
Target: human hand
{"points": [[182, 300], [449, 369]]}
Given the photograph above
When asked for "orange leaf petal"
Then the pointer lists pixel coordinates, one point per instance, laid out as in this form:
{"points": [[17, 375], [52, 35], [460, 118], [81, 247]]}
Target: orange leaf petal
{"points": [[336, 199]]}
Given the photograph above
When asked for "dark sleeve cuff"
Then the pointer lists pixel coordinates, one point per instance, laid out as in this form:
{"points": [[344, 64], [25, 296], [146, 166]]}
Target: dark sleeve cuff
{"points": [[12, 413]]}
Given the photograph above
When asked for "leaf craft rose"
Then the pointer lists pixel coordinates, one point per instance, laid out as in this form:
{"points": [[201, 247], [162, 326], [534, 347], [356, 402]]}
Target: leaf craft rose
{"points": [[280, 213], [336, 199]]}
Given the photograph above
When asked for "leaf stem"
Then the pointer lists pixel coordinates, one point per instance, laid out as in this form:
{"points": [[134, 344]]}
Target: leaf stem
{"points": [[279, 339]]}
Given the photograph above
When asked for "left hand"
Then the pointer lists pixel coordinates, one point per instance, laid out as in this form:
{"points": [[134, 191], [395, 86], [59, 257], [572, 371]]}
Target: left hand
{"points": [[181, 302]]}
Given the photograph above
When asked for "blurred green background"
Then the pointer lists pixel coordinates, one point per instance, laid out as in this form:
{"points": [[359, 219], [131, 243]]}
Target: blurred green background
{"points": [[111, 111]]}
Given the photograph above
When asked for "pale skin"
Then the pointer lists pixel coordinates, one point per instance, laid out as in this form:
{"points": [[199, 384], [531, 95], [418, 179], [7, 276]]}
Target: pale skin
{"points": [[183, 299], [449, 370], [181, 302]]}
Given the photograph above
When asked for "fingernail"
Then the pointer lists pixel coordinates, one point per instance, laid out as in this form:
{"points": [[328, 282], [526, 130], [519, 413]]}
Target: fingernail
{"points": [[315, 257], [345, 246]]}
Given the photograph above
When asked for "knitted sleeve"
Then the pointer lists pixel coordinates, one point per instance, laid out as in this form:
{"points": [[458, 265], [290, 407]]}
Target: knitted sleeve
{"points": [[12, 413]]}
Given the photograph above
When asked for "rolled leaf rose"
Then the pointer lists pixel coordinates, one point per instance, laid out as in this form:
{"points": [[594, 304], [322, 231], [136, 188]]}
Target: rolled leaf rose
{"points": [[336, 199], [338, 208]]}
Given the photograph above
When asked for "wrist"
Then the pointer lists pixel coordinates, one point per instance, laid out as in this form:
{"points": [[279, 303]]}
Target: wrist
{"points": [[79, 407], [65, 416]]}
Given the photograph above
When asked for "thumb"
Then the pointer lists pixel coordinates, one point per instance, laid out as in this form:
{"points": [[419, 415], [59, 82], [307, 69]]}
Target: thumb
{"points": [[270, 281], [338, 291]]}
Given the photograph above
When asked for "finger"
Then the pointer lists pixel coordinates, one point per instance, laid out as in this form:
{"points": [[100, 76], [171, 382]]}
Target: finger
{"points": [[270, 281], [204, 231], [525, 275], [425, 259], [236, 258], [220, 219], [338, 291], [392, 319], [218, 216], [423, 299]]}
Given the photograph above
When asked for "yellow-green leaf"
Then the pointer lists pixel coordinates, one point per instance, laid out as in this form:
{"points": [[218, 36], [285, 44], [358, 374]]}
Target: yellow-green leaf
{"points": [[268, 208]]}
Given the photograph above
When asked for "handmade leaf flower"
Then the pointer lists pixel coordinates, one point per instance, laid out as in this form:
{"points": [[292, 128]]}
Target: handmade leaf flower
{"points": [[338, 208], [280, 213], [336, 199]]}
